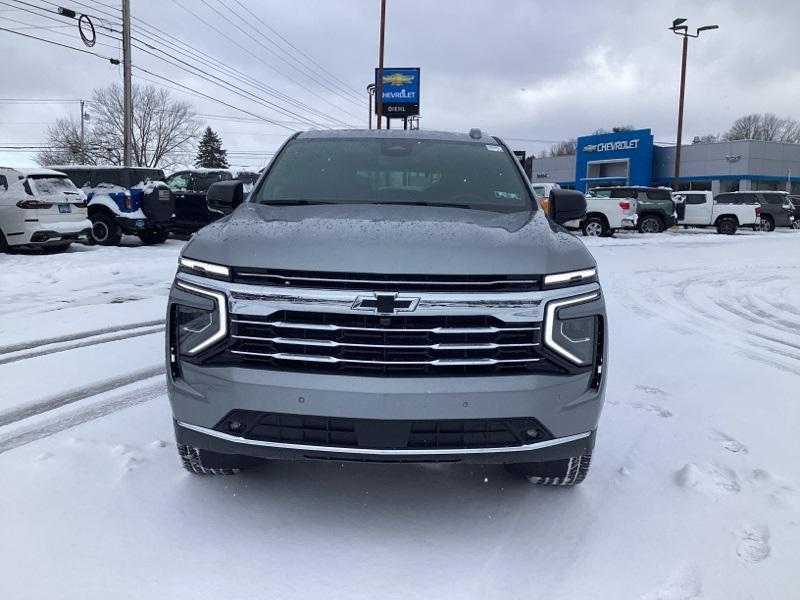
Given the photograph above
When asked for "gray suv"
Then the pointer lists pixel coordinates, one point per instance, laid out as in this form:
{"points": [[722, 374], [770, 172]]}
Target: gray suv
{"points": [[388, 296]]}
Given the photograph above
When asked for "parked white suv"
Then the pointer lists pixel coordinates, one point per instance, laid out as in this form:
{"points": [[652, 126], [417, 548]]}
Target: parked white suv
{"points": [[40, 208]]}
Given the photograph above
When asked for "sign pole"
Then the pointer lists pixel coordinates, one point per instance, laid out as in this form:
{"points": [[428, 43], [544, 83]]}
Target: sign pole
{"points": [[379, 83]]}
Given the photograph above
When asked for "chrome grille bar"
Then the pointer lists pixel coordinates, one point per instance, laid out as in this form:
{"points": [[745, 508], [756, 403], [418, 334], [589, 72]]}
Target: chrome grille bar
{"points": [[439, 362], [330, 327], [334, 344]]}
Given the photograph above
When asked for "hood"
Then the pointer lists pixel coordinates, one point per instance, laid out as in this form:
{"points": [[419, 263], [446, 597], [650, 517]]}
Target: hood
{"points": [[389, 239]]}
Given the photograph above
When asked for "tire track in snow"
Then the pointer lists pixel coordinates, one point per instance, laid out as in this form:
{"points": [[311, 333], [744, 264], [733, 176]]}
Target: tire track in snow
{"points": [[84, 343], [84, 335], [30, 410], [59, 424], [728, 313]]}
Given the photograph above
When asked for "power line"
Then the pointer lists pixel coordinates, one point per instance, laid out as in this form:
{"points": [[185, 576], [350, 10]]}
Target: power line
{"points": [[33, 37], [228, 71], [315, 77], [323, 69], [258, 58], [213, 99]]}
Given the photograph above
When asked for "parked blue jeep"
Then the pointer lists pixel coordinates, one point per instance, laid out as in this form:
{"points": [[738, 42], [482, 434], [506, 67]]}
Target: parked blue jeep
{"points": [[125, 200]]}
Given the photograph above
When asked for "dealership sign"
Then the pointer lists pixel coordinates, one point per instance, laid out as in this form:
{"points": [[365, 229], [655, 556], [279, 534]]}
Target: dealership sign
{"points": [[612, 146], [400, 97]]}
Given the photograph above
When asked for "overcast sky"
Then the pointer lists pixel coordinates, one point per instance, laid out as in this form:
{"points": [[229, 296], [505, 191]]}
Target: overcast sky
{"points": [[521, 69]]}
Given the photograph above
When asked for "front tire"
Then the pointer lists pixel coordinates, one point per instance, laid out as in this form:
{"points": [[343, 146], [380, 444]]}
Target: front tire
{"points": [[650, 224], [156, 236], [727, 226], [205, 462], [566, 472], [105, 230], [796, 224], [594, 227]]}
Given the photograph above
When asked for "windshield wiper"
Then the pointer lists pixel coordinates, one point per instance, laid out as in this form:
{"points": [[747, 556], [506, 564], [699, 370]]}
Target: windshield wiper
{"points": [[436, 204], [294, 202]]}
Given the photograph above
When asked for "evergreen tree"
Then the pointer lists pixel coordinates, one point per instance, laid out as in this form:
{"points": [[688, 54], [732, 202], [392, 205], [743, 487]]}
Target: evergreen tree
{"points": [[210, 153]]}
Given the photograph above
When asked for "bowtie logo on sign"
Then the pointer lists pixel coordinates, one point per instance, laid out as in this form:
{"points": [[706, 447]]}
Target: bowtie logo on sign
{"points": [[612, 146]]}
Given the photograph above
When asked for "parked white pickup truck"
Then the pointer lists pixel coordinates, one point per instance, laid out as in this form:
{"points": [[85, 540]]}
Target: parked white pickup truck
{"points": [[702, 211], [604, 215]]}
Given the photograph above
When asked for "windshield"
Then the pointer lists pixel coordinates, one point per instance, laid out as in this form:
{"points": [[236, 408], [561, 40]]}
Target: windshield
{"points": [[53, 185], [395, 171]]}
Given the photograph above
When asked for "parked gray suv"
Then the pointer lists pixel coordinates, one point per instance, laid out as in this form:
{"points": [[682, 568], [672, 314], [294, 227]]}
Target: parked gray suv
{"points": [[388, 296]]}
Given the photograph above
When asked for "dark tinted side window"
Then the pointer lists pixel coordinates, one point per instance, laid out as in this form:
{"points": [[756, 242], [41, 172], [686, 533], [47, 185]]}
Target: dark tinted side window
{"points": [[3, 182], [774, 198], [695, 198], [203, 181], [108, 176], [659, 195], [623, 193]]}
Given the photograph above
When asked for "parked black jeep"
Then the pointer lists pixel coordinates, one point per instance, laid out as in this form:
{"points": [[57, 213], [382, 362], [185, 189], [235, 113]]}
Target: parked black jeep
{"points": [[189, 189], [655, 207]]}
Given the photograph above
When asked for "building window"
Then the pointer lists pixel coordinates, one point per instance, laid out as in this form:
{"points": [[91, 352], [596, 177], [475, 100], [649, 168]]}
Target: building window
{"points": [[728, 185], [767, 186]]}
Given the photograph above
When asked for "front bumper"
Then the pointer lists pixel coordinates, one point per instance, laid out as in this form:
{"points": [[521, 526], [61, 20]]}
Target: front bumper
{"points": [[133, 226], [216, 441], [568, 406]]}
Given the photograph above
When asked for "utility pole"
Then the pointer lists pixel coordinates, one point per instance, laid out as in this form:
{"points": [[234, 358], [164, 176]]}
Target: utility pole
{"points": [[127, 102], [83, 138], [678, 28], [379, 90]]}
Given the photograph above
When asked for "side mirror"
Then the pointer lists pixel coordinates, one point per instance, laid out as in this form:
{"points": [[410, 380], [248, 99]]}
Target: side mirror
{"points": [[566, 205], [225, 196]]}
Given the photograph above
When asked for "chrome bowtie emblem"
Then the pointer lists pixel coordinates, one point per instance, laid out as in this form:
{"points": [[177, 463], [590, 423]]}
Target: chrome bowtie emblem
{"points": [[385, 304]]}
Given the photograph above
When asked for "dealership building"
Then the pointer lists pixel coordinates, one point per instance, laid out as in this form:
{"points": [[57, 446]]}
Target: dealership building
{"points": [[632, 158]]}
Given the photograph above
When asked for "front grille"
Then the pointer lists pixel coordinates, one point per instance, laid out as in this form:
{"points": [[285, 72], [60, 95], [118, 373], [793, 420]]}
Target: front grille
{"points": [[384, 282], [383, 434], [378, 345]]}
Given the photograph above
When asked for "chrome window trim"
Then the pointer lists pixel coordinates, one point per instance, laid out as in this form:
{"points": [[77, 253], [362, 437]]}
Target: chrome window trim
{"points": [[384, 452]]}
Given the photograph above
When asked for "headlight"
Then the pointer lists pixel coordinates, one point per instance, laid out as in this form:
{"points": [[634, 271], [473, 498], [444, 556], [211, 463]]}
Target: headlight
{"points": [[198, 328], [574, 339], [198, 267], [557, 280]]}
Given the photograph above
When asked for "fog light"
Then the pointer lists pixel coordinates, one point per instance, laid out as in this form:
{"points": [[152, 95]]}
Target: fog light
{"points": [[532, 433], [235, 426]]}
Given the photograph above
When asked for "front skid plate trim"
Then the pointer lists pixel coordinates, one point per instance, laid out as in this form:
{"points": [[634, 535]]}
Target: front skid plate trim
{"points": [[385, 452]]}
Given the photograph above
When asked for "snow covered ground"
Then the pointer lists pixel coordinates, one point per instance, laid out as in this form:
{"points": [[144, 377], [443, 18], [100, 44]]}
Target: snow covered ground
{"points": [[694, 491]]}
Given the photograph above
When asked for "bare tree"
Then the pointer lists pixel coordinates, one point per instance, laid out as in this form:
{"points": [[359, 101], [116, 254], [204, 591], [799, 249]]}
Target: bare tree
{"points": [[709, 138], [767, 126], [64, 139], [163, 131], [615, 129], [565, 148]]}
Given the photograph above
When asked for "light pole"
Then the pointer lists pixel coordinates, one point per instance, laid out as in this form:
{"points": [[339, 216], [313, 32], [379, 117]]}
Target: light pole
{"points": [[370, 93], [678, 28], [379, 90]]}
